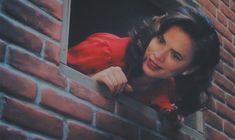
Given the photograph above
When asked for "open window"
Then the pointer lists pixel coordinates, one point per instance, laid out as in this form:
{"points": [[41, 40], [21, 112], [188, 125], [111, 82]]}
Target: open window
{"points": [[82, 18]]}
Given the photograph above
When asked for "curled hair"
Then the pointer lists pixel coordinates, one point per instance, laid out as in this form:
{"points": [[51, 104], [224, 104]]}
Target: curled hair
{"points": [[205, 41]]}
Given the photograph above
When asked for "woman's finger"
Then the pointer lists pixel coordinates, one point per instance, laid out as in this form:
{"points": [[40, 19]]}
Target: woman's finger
{"points": [[128, 88], [120, 78]]}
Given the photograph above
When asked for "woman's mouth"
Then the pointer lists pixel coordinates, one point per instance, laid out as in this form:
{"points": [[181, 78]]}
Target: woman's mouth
{"points": [[153, 66]]}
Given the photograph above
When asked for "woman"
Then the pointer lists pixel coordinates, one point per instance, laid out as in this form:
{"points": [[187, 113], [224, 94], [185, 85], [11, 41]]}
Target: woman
{"points": [[167, 62]]}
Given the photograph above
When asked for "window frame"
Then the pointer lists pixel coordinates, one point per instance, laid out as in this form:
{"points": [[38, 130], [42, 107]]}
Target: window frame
{"points": [[195, 121]]}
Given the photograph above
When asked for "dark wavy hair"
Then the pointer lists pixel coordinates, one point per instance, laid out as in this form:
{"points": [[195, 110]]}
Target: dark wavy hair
{"points": [[205, 40]]}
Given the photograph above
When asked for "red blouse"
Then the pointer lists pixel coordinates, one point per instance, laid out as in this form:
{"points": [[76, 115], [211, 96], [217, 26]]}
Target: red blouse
{"points": [[102, 50]]}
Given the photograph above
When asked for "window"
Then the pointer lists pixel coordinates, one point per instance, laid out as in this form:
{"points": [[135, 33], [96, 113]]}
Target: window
{"points": [[82, 18]]}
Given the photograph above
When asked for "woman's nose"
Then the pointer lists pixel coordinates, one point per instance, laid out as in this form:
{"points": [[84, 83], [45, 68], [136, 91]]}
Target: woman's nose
{"points": [[160, 55]]}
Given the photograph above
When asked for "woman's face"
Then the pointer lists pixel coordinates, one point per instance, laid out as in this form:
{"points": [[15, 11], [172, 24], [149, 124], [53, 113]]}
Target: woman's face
{"points": [[169, 54]]}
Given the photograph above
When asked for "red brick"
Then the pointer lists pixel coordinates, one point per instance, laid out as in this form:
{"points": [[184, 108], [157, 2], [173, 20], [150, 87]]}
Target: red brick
{"points": [[52, 52], [229, 129], [215, 2], [117, 126], [232, 27], [32, 118], [213, 120], [39, 68], [54, 7], [224, 83], [2, 50], [232, 5], [209, 6], [139, 115], [212, 134], [16, 85], [226, 57], [33, 17], [229, 47], [229, 72], [222, 18], [80, 132], [219, 67], [19, 36], [146, 135], [225, 112], [66, 105], [221, 29], [226, 2], [227, 12], [91, 96], [9, 133], [230, 101], [212, 105], [217, 92]]}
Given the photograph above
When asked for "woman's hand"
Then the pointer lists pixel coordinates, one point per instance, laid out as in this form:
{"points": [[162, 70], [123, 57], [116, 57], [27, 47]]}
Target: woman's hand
{"points": [[114, 78]]}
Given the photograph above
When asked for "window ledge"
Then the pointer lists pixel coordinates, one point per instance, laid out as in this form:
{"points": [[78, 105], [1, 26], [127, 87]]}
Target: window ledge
{"points": [[122, 99]]}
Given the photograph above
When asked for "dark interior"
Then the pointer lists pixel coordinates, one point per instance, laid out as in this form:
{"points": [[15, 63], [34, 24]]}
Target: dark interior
{"points": [[113, 16]]}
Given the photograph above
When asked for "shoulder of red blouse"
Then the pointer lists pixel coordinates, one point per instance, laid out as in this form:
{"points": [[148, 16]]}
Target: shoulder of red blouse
{"points": [[97, 52]]}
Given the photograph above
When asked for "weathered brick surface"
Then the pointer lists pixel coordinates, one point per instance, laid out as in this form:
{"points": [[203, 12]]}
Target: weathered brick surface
{"points": [[229, 72], [225, 112], [212, 134], [229, 47], [52, 52], [117, 126], [224, 83], [226, 2], [221, 29], [33, 17], [230, 101], [229, 129], [55, 7], [9, 133], [215, 2], [79, 132], [2, 50], [32, 65], [32, 118], [146, 135], [232, 28], [213, 119], [66, 105], [226, 57], [20, 36], [91, 96], [212, 105], [219, 67], [232, 5], [17, 85], [227, 12], [222, 18], [138, 115], [217, 92], [209, 6]]}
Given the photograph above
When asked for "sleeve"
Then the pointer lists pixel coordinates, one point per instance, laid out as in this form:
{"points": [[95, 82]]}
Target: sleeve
{"points": [[93, 54]]}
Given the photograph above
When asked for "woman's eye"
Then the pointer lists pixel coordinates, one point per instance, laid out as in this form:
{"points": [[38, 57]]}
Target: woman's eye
{"points": [[176, 56]]}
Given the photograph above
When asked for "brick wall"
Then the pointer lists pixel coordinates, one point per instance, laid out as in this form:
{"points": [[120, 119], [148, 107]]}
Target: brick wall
{"points": [[37, 101], [220, 119]]}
